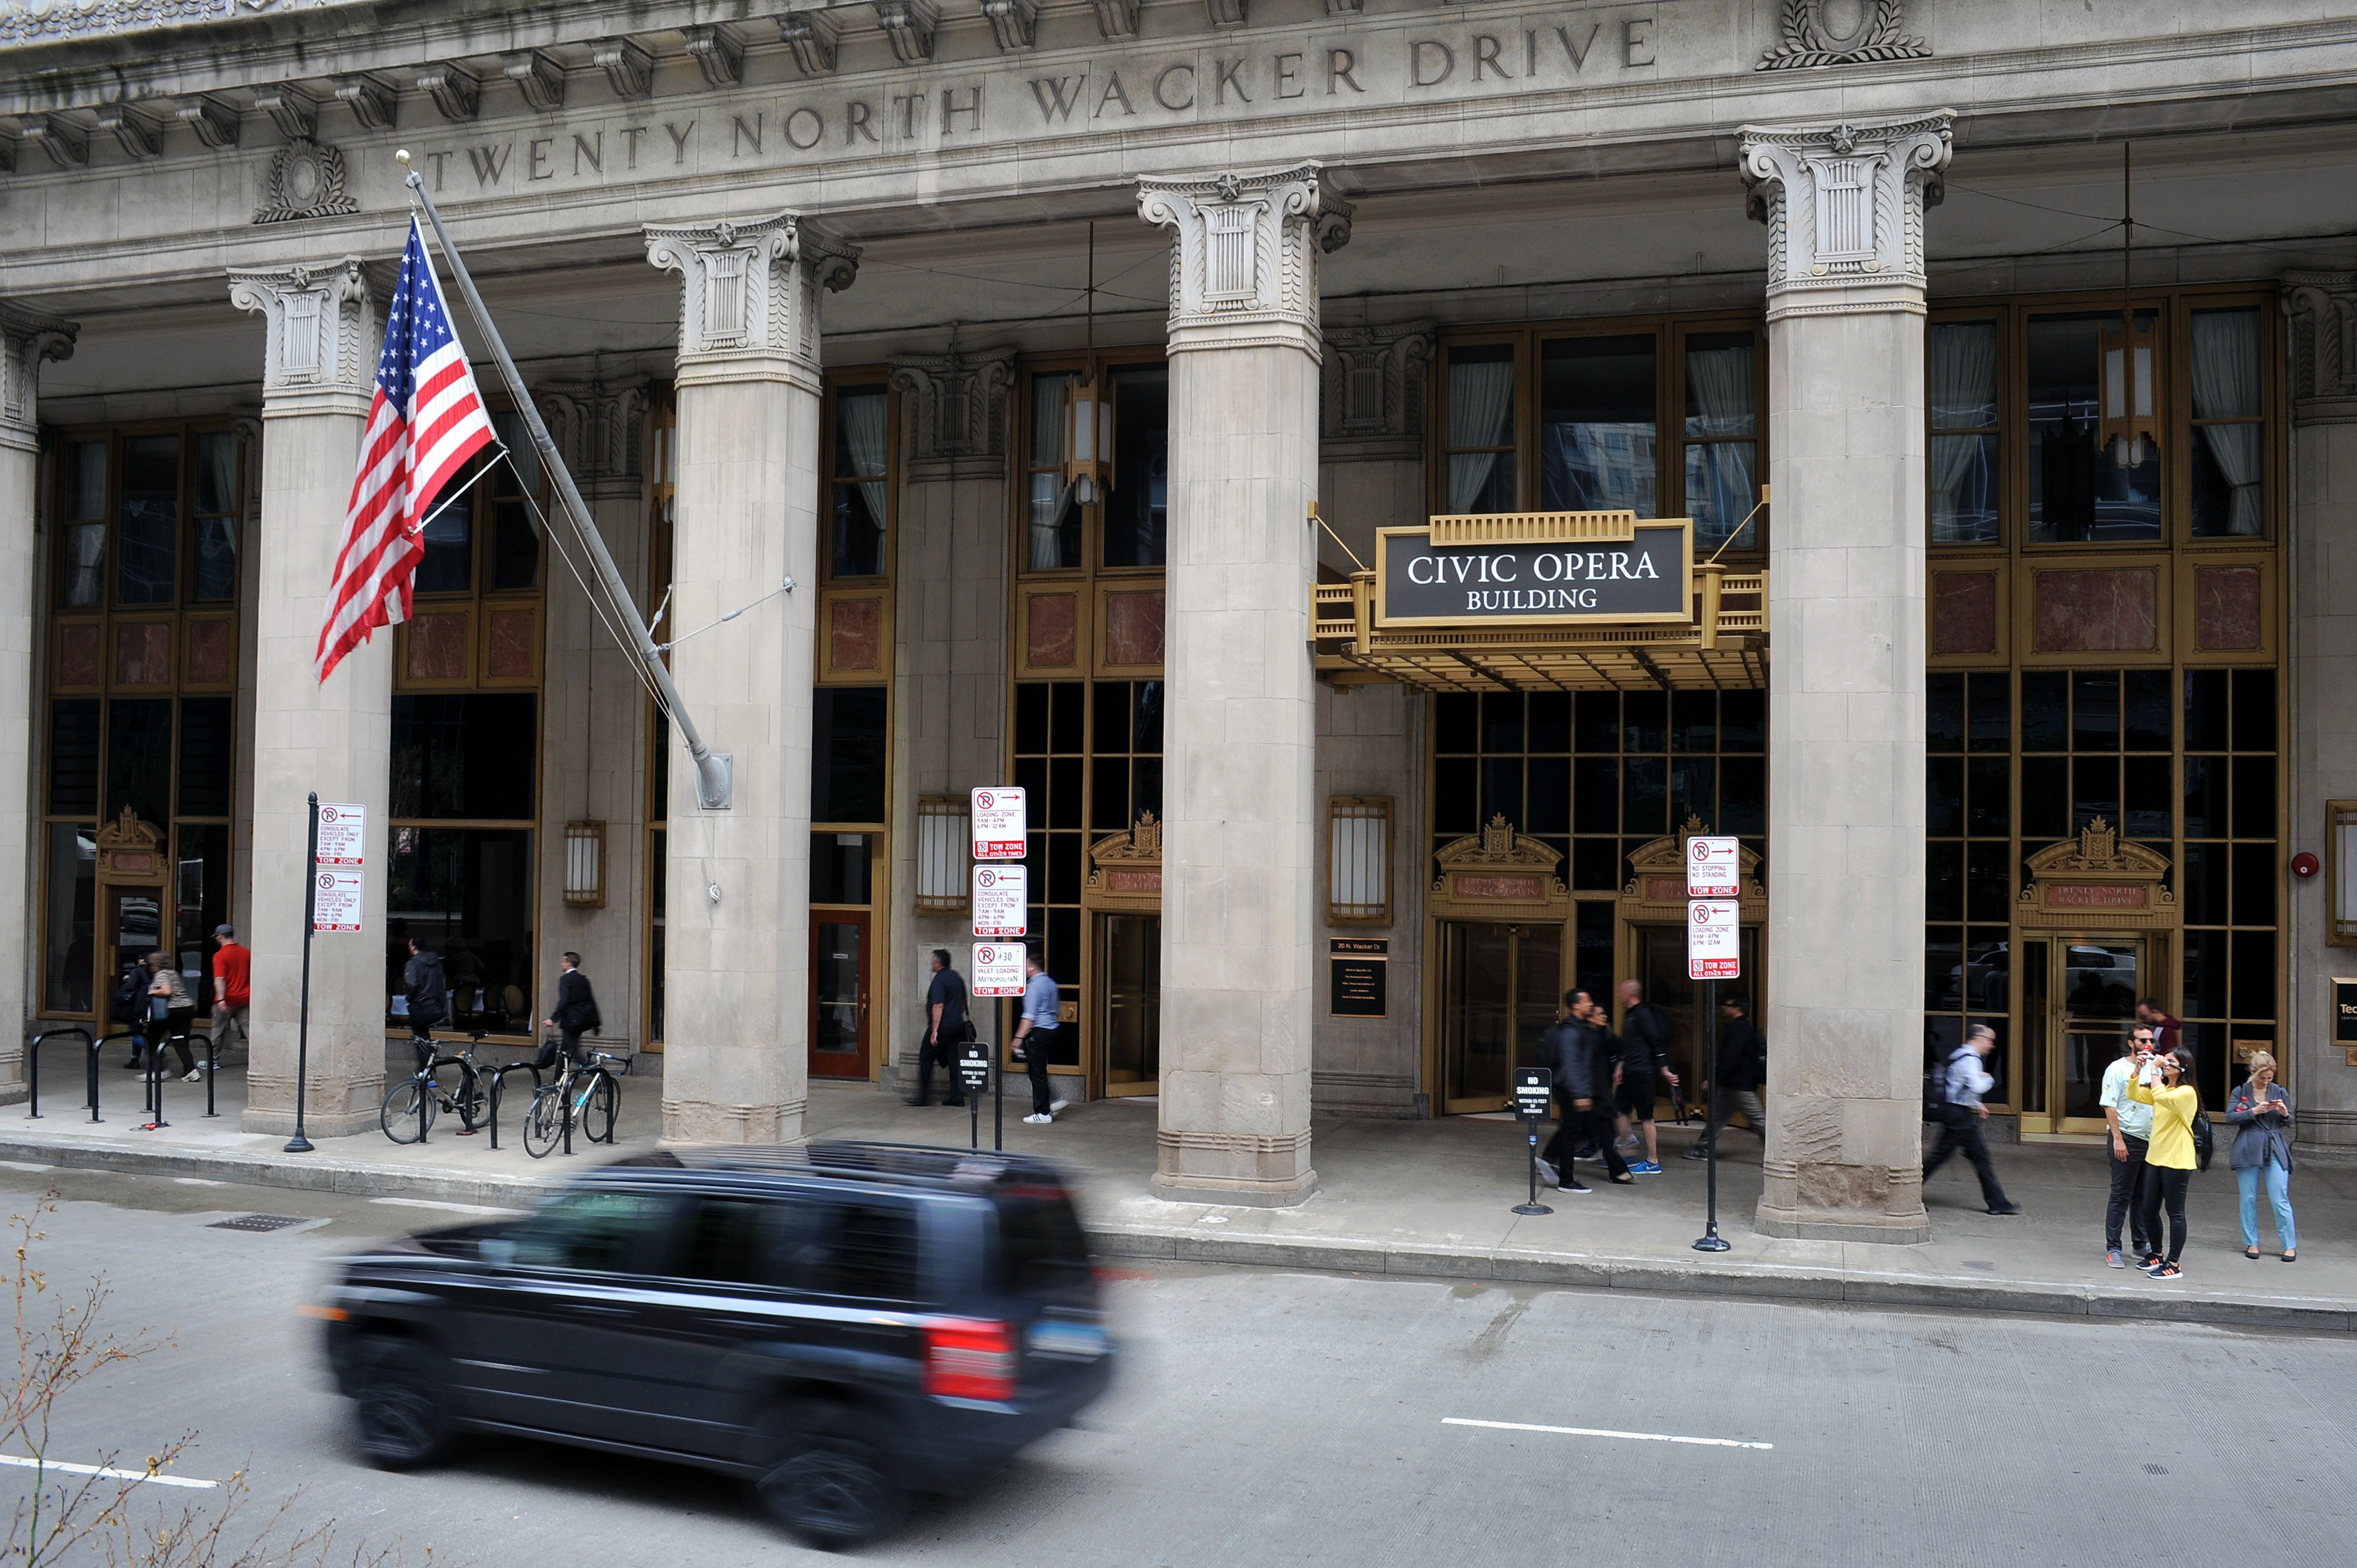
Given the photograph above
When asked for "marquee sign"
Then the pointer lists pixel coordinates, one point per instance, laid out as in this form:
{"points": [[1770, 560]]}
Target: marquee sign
{"points": [[1535, 568]]}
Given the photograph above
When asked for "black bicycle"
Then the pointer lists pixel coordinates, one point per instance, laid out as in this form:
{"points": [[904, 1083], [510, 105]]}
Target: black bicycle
{"points": [[585, 1095], [410, 1106]]}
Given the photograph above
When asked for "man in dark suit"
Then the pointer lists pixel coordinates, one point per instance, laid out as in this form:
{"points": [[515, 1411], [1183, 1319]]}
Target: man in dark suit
{"points": [[1741, 1070], [577, 1008]]}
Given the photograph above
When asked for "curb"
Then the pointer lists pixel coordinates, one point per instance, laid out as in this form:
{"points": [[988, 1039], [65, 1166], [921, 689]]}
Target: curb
{"points": [[1503, 1264]]}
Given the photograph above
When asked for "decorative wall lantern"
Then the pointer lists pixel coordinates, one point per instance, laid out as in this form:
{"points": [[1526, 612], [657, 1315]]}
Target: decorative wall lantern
{"points": [[944, 847], [585, 865], [1088, 438]]}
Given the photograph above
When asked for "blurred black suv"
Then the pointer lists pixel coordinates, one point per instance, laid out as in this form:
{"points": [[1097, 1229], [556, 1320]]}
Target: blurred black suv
{"points": [[842, 1323]]}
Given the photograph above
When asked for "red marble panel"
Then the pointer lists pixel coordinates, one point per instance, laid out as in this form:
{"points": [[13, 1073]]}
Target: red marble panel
{"points": [[854, 634], [78, 654], [1052, 643], [438, 648], [1134, 627], [2103, 610], [143, 653], [212, 652], [512, 633], [1964, 612], [2226, 607]]}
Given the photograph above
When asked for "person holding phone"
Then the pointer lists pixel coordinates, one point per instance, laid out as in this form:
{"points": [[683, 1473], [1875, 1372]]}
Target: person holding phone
{"points": [[2168, 1159], [2261, 1113]]}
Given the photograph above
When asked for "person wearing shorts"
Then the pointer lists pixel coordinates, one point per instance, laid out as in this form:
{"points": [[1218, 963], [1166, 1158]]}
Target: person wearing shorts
{"points": [[1644, 1064]]}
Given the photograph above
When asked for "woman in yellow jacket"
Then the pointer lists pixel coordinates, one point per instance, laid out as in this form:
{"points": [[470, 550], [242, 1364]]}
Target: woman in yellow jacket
{"points": [[2168, 1159]]}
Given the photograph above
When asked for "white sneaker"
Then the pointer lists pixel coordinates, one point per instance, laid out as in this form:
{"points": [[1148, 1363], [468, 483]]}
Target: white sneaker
{"points": [[1549, 1174], [1038, 1117], [196, 1075], [1056, 1105]]}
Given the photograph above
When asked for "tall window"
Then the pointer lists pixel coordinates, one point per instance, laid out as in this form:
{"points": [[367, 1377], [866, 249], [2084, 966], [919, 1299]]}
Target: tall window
{"points": [[859, 495], [1963, 467], [1968, 859], [1126, 528], [1660, 418], [663, 441], [2226, 452], [2232, 877], [2077, 493], [141, 680]]}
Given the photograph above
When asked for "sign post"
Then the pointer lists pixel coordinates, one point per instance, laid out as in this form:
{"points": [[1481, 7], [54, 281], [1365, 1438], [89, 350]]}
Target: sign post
{"points": [[998, 972], [1714, 952], [1533, 1088], [1001, 831], [973, 1076], [299, 1144]]}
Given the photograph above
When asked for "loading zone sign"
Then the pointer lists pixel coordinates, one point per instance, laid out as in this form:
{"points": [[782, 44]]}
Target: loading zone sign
{"points": [[998, 969], [1714, 940], [1000, 893], [335, 900], [998, 824]]}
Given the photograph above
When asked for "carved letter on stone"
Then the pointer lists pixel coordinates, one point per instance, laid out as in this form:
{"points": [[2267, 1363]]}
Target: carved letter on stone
{"points": [[538, 77], [373, 103], [1243, 259], [717, 51], [811, 36], [909, 25], [1012, 22], [1843, 206], [1806, 39], [290, 109], [213, 120], [629, 69]]}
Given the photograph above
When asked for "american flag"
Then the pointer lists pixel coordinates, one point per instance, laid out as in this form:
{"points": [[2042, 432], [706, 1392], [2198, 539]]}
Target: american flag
{"points": [[424, 421]]}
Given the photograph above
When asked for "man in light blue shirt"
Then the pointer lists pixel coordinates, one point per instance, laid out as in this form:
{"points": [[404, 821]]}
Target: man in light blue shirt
{"points": [[2131, 1123], [1034, 1035]]}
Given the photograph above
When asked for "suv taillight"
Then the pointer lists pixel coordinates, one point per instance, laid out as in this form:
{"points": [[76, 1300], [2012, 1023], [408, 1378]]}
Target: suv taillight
{"points": [[971, 1358]]}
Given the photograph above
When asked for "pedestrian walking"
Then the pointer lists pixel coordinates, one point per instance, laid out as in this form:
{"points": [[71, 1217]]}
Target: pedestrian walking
{"points": [[1558, 1044], [576, 1013], [2169, 1159], [2167, 1032], [132, 1008], [2261, 1114], [1041, 1013], [946, 1029], [170, 1010], [1961, 1115], [233, 991], [2131, 1129], [1646, 1033], [1741, 1067], [427, 995], [1585, 1047]]}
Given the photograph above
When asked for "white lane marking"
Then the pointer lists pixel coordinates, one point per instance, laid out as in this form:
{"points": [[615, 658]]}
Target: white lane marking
{"points": [[102, 1472], [1600, 1432], [24, 1166], [453, 1207]]}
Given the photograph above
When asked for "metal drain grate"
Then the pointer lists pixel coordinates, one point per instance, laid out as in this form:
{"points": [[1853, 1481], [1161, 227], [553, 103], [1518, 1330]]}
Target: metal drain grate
{"points": [[258, 1222]]}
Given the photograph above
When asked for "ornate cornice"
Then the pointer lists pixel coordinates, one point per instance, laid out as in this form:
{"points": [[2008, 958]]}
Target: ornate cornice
{"points": [[1877, 33], [953, 411], [1372, 402], [749, 295], [2323, 308], [318, 354], [1843, 205], [26, 338], [1244, 256], [599, 432]]}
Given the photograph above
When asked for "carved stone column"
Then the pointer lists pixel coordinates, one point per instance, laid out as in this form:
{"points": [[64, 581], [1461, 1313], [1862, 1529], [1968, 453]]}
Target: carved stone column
{"points": [[949, 669], [2321, 667], [594, 713], [1843, 206], [737, 938], [26, 340], [321, 337], [1239, 855]]}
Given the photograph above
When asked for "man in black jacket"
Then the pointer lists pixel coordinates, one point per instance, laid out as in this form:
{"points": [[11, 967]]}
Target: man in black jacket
{"points": [[577, 1008], [1583, 1051], [1644, 1060], [429, 998], [1741, 1070]]}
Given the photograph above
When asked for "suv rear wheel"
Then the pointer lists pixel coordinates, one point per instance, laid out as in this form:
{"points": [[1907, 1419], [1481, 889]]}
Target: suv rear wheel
{"points": [[826, 1482], [403, 1421]]}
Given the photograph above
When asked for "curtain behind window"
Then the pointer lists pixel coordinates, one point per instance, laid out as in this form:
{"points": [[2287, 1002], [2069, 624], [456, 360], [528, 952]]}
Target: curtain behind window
{"points": [[861, 416], [1480, 413], [1964, 393], [2226, 386], [1051, 498], [1719, 473]]}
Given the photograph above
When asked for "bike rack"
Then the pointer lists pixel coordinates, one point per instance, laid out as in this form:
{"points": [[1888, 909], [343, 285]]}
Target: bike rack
{"points": [[499, 1088], [33, 1065], [97, 1050]]}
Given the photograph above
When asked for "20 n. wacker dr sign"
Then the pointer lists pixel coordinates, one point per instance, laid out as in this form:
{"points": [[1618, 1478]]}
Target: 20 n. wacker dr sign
{"points": [[1532, 568]]}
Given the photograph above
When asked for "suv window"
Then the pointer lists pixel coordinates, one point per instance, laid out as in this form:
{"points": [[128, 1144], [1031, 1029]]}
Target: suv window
{"points": [[854, 1249], [604, 1231], [1041, 1250]]}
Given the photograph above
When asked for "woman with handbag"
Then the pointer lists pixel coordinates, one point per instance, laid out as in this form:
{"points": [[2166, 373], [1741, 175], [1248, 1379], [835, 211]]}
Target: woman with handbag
{"points": [[2261, 1113], [2169, 1156]]}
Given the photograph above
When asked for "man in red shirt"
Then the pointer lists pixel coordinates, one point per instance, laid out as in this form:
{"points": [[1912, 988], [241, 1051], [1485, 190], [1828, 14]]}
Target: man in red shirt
{"points": [[2168, 1032], [232, 983]]}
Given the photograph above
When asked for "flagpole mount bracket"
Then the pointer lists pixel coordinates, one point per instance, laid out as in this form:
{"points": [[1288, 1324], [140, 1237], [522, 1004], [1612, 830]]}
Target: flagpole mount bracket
{"points": [[716, 773]]}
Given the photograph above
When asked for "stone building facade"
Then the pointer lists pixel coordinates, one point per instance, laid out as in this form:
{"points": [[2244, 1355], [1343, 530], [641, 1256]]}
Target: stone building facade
{"points": [[2017, 682]]}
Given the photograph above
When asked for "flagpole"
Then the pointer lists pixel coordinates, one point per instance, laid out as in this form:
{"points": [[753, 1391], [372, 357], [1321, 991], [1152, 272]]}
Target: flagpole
{"points": [[713, 768]]}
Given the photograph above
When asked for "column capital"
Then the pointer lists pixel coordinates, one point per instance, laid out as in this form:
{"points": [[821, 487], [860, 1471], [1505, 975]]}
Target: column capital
{"points": [[321, 334], [1374, 402], [1843, 205], [598, 430], [2323, 308], [26, 338], [749, 295], [1243, 256], [955, 414]]}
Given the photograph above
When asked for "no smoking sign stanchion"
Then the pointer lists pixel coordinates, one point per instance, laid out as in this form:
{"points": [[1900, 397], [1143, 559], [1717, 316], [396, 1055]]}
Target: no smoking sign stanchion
{"points": [[1533, 1088], [1714, 952]]}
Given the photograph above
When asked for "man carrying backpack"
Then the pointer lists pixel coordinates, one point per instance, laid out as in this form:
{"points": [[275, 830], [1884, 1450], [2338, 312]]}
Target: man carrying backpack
{"points": [[1962, 1113]]}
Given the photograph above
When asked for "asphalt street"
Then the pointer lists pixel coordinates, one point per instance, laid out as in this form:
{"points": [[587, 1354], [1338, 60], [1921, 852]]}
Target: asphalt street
{"points": [[1277, 1417]]}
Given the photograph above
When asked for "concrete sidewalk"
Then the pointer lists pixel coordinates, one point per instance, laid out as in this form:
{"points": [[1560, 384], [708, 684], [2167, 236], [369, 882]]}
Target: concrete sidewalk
{"points": [[1402, 1197]]}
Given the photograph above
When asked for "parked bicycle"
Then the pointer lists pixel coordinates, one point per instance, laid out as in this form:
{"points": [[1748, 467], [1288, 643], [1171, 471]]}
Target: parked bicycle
{"points": [[452, 1083], [585, 1094]]}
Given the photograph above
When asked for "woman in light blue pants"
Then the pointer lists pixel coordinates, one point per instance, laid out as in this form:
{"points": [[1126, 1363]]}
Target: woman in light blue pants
{"points": [[2260, 1112]]}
